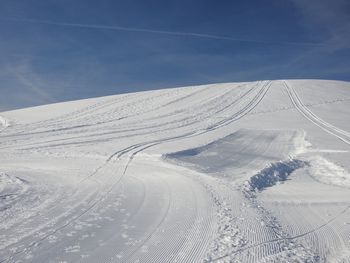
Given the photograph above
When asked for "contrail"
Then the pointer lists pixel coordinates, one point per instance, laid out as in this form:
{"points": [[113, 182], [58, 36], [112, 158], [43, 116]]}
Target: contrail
{"points": [[152, 31]]}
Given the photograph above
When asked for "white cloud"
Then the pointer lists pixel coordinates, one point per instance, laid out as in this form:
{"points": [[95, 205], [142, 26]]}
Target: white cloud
{"points": [[162, 32]]}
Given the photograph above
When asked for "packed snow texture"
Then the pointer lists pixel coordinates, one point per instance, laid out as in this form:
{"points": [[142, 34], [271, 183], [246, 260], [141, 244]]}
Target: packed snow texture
{"points": [[232, 172], [3, 123]]}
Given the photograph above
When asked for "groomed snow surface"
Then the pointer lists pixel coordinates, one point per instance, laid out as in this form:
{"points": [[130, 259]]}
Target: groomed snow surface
{"points": [[234, 172]]}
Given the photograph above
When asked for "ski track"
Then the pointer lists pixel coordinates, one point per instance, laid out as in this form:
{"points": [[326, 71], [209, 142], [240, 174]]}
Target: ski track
{"points": [[163, 125], [308, 114], [128, 205]]}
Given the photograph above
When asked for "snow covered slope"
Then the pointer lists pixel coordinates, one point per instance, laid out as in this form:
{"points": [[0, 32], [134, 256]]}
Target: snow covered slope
{"points": [[233, 172]]}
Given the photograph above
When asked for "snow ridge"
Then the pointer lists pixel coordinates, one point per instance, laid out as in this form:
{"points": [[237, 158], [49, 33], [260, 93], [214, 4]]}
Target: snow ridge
{"points": [[272, 174]]}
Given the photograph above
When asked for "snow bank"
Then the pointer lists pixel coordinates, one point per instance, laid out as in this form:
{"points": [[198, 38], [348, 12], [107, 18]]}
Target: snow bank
{"points": [[271, 175], [318, 167]]}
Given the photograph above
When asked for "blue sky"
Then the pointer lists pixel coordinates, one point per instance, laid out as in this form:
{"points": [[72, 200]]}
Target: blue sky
{"points": [[54, 50]]}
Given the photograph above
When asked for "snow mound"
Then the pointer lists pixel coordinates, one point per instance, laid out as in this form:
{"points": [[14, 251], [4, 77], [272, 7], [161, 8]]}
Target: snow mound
{"points": [[273, 174], [328, 172]]}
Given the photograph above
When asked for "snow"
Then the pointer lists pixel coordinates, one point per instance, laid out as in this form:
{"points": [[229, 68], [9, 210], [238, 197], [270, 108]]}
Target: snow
{"points": [[4, 123], [328, 172], [231, 172]]}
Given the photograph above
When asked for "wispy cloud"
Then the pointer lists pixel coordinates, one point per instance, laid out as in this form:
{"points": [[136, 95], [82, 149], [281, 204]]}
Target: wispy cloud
{"points": [[31, 82], [329, 16], [163, 32]]}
